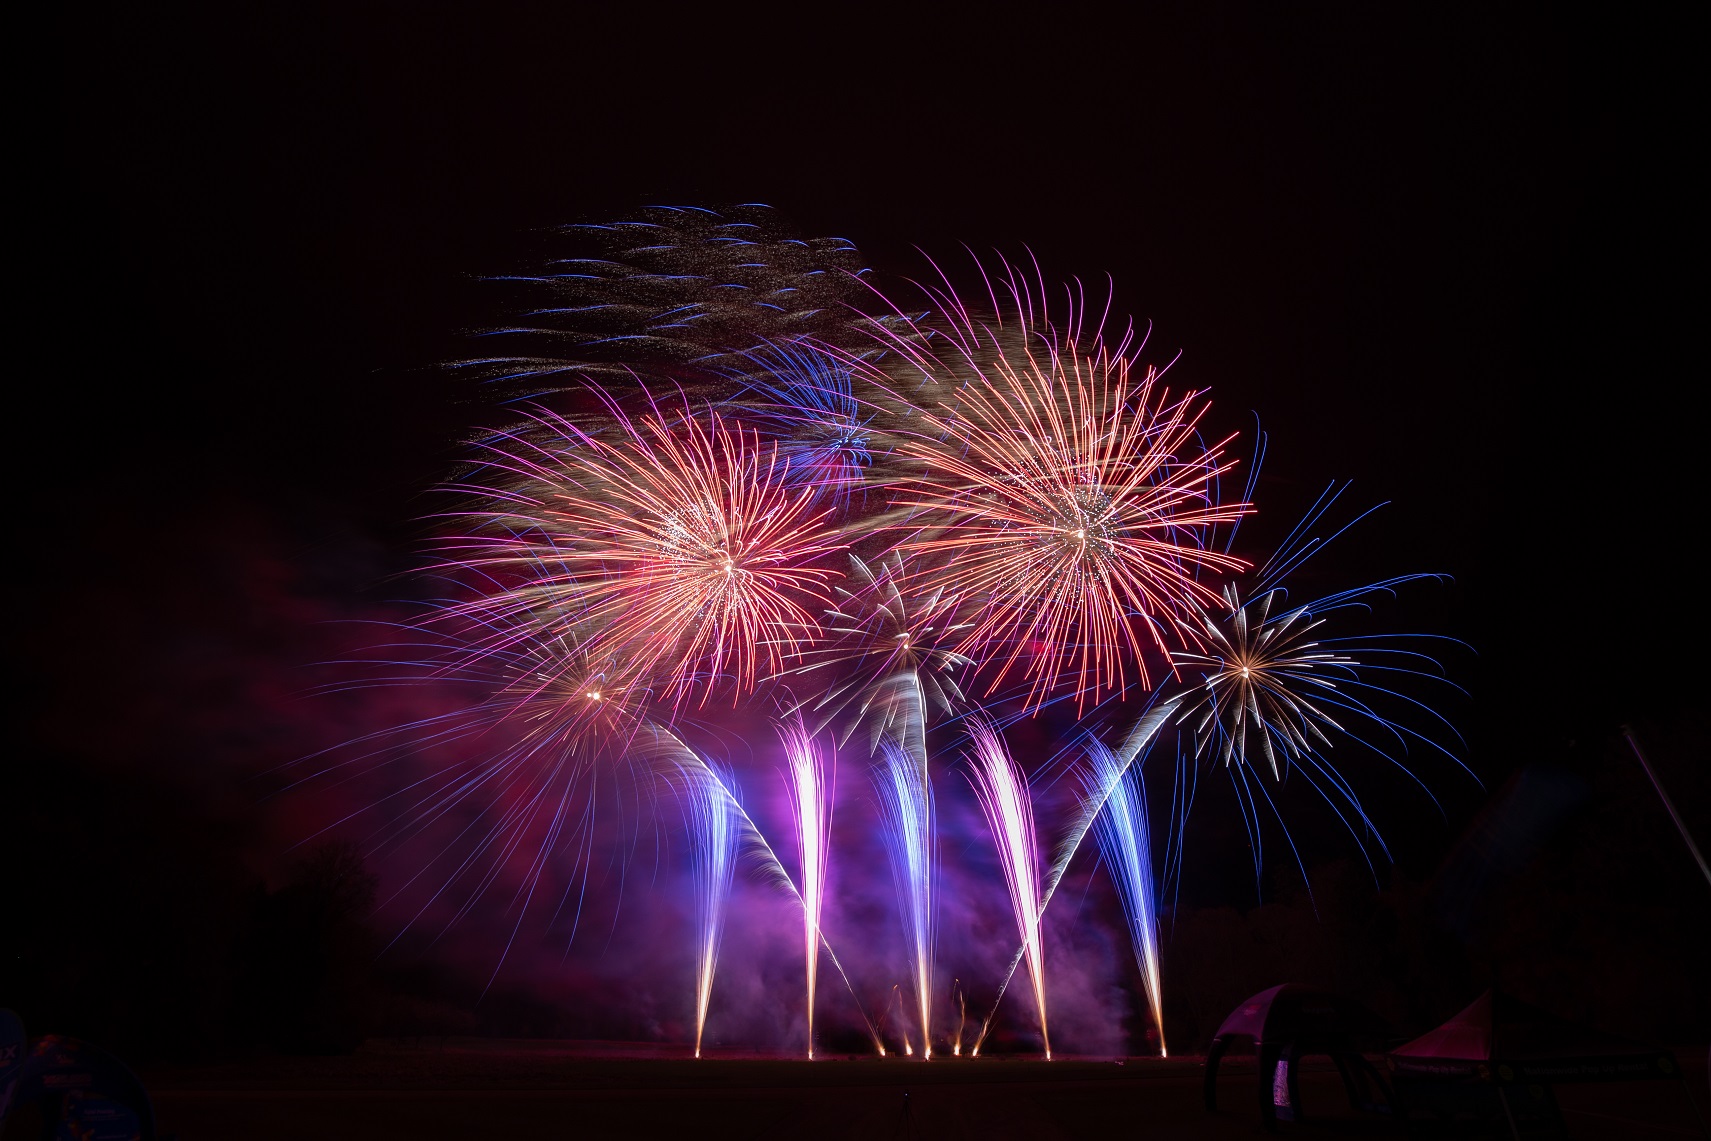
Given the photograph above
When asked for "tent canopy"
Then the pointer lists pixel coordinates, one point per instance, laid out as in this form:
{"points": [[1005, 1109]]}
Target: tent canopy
{"points": [[1500, 1036], [1286, 1023], [1294, 1011]]}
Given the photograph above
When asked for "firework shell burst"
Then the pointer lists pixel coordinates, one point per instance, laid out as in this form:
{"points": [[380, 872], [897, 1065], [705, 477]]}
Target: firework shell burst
{"points": [[1259, 678], [680, 290], [678, 543], [885, 661], [1052, 483], [804, 399]]}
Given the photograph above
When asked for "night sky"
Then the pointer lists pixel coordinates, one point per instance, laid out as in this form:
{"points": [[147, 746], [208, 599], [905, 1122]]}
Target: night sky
{"points": [[1446, 255]]}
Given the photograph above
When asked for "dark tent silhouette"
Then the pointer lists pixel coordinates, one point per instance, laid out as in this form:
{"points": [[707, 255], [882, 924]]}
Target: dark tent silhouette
{"points": [[1504, 1055], [1286, 1023]]}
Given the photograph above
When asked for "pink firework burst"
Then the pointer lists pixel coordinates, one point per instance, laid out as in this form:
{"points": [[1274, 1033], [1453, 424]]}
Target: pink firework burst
{"points": [[673, 544], [1058, 487]]}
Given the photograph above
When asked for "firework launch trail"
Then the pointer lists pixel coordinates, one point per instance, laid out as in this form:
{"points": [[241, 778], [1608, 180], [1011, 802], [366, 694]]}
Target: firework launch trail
{"points": [[811, 787], [1003, 793]]}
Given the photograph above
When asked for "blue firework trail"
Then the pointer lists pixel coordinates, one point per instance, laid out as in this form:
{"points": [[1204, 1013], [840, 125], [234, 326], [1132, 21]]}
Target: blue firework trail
{"points": [[1125, 844], [906, 800], [713, 836], [805, 399]]}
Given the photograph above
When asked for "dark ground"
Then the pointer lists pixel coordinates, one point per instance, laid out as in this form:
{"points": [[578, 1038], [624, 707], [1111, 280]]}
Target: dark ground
{"points": [[495, 1088]]}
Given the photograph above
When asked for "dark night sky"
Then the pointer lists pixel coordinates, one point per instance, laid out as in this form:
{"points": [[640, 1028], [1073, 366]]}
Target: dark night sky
{"points": [[1439, 253], [1443, 253]]}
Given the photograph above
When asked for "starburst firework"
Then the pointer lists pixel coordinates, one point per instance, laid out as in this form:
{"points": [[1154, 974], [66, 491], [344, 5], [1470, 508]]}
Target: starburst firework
{"points": [[676, 543], [804, 398], [1259, 683], [1061, 489], [885, 659]]}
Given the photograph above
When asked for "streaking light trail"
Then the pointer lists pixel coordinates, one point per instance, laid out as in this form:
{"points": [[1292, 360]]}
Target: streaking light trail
{"points": [[713, 836], [906, 802], [811, 786], [1126, 843], [1003, 793]]}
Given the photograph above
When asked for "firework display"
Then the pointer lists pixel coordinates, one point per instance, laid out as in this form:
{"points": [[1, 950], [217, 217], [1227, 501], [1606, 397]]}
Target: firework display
{"points": [[740, 489]]}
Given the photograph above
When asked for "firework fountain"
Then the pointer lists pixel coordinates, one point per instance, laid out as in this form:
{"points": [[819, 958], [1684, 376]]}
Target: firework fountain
{"points": [[721, 830], [713, 838], [906, 799], [715, 418], [811, 786], [1096, 796], [1125, 842], [1003, 793]]}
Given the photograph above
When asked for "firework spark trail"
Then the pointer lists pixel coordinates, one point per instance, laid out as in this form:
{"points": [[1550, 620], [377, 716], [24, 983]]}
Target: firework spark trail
{"points": [[962, 1019], [1270, 688], [684, 761], [1126, 843], [713, 833], [678, 543], [1256, 683], [805, 399], [906, 798], [1091, 805], [811, 787], [1056, 488], [1003, 794], [885, 660]]}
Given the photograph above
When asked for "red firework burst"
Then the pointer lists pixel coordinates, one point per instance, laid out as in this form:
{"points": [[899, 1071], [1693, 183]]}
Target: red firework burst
{"points": [[1064, 493], [673, 544]]}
